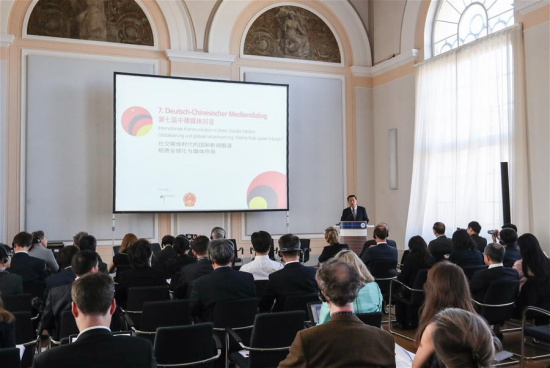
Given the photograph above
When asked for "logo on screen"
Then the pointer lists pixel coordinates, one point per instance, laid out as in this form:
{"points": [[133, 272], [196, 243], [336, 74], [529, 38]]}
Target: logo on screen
{"points": [[189, 199], [137, 121], [267, 191]]}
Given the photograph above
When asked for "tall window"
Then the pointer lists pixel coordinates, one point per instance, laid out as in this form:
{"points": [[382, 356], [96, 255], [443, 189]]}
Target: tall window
{"points": [[460, 22]]}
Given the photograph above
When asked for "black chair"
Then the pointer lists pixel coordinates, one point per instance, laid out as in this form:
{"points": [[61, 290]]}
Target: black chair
{"points": [[10, 358], [67, 327], [35, 288], [116, 249], [25, 335], [371, 319], [272, 335], [163, 314], [383, 271], [155, 248], [306, 250], [470, 270], [137, 296], [187, 346], [538, 333], [236, 314], [498, 302], [409, 298], [18, 302], [300, 302], [260, 285]]}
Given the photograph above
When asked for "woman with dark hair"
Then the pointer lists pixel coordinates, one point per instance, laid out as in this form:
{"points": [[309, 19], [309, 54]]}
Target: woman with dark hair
{"points": [[121, 258], [333, 247], [534, 273], [7, 328], [464, 251], [446, 287], [140, 273], [418, 258], [181, 257], [39, 249]]}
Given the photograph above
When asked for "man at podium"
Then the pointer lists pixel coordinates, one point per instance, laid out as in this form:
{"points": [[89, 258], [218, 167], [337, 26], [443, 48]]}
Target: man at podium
{"points": [[354, 212]]}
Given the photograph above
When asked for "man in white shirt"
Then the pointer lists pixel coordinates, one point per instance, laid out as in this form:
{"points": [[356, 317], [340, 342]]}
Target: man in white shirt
{"points": [[261, 267]]}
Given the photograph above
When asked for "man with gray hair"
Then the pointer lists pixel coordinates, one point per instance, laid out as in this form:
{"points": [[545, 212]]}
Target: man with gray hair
{"points": [[493, 254], [217, 233], [224, 283], [345, 341]]}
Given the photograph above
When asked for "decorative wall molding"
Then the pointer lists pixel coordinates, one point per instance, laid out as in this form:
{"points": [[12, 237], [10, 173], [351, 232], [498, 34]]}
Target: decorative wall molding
{"points": [[199, 57], [6, 40]]}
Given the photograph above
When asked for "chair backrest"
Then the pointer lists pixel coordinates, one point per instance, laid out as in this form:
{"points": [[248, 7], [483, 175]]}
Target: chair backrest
{"points": [[299, 302], [137, 296], [470, 270], [24, 330], [35, 288], [498, 293], [274, 330], [18, 302], [165, 314], [67, 325], [372, 319], [155, 248], [184, 344], [304, 255], [260, 285], [10, 358], [116, 249], [417, 298], [235, 313]]}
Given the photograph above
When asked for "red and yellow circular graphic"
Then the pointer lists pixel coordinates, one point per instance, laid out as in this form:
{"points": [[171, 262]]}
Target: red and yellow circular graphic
{"points": [[267, 191], [137, 121]]}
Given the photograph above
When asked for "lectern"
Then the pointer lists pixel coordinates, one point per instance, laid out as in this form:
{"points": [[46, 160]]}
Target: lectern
{"points": [[354, 234]]}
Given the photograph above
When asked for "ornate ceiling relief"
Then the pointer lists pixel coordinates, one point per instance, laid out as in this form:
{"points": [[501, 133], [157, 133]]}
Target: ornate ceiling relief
{"points": [[120, 21], [292, 32]]}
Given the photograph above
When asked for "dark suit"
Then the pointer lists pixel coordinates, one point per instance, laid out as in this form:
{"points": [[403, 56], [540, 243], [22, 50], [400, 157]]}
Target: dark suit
{"points": [[181, 284], [361, 215], [439, 247], [64, 277], [224, 283], [99, 348], [58, 300], [372, 242], [381, 251], [511, 255], [344, 341], [164, 256], [466, 257], [330, 251], [482, 279], [479, 241], [293, 279], [137, 277], [29, 268], [10, 284]]}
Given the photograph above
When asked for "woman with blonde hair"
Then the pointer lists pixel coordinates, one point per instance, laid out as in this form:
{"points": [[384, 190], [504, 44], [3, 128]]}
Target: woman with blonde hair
{"points": [[331, 236], [446, 287], [463, 339], [369, 298], [121, 258]]}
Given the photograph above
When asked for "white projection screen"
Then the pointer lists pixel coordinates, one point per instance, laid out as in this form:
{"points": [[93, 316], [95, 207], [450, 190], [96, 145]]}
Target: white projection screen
{"points": [[195, 145]]}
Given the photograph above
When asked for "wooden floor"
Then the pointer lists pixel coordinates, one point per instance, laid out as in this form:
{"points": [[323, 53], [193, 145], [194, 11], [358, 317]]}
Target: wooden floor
{"points": [[511, 343]]}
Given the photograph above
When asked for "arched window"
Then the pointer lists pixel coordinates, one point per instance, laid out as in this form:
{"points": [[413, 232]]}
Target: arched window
{"points": [[457, 23]]}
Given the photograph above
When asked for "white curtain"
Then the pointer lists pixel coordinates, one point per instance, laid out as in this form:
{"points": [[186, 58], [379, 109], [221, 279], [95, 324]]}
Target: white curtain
{"points": [[470, 116]]}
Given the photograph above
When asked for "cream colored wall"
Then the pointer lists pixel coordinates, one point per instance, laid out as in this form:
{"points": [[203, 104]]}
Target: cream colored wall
{"points": [[386, 28]]}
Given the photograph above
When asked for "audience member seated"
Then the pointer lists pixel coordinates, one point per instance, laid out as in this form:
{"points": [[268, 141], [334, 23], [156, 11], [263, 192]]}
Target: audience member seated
{"points": [[441, 245], [331, 237], [140, 273], [76, 238], [66, 275], [464, 250], [417, 259], [182, 257], [463, 340], [344, 341], [496, 234], [371, 242], [509, 238], [182, 281], [121, 258], [381, 251], [369, 298], [224, 283], [473, 229], [89, 242], [446, 287], [262, 266], [10, 284], [293, 279], [59, 298], [7, 327], [482, 279], [39, 249], [93, 305], [29, 268], [217, 233], [534, 272], [167, 252]]}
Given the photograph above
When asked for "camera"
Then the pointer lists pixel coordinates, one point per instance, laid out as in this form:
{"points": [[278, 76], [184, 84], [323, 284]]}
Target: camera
{"points": [[492, 232]]}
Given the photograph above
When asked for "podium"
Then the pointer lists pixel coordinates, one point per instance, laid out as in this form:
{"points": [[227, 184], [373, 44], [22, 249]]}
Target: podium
{"points": [[354, 234]]}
